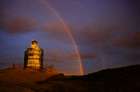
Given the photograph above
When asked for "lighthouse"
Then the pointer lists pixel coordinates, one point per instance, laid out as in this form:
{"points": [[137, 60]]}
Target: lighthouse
{"points": [[33, 57]]}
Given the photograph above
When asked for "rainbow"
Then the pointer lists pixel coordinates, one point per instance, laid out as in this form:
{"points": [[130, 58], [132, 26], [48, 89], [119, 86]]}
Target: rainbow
{"points": [[67, 30]]}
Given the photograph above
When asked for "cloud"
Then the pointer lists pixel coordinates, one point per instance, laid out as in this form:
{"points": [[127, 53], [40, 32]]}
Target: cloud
{"points": [[18, 25], [59, 55], [55, 31], [92, 36], [53, 26], [113, 45], [133, 56], [55, 55], [130, 40], [88, 56]]}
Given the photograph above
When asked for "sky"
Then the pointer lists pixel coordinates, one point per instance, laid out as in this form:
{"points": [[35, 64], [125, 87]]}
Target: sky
{"points": [[97, 34]]}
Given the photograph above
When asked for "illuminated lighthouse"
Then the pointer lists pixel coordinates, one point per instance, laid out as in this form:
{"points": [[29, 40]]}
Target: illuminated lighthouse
{"points": [[33, 57]]}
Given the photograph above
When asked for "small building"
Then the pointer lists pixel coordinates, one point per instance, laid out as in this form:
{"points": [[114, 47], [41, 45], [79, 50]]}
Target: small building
{"points": [[33, 57]]}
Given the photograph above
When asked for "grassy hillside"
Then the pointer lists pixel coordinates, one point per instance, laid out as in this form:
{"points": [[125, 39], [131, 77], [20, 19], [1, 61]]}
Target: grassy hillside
{"points": [[126, 79], [19, 80]]}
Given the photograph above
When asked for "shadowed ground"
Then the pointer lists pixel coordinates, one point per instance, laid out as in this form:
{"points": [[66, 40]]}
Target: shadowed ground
{"points": [[125, 79]]}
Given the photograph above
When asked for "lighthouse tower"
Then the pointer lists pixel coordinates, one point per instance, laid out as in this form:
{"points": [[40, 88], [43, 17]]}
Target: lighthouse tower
{"points": [[33, 57]]}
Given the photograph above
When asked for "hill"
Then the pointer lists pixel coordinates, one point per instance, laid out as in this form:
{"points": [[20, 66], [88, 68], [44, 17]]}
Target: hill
{"points": [[20, 80], [125, 79]]}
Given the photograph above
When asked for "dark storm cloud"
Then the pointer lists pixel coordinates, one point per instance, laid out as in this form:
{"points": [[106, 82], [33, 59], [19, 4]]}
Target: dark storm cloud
{"points": [[133, 56], [60, 55], [55, 31], [134, 4], [18, 25], [130, 40], [53, 26], [73, 56], [55, 55], [94, 36], [109, 36], [113, 46], [85, 55]]}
